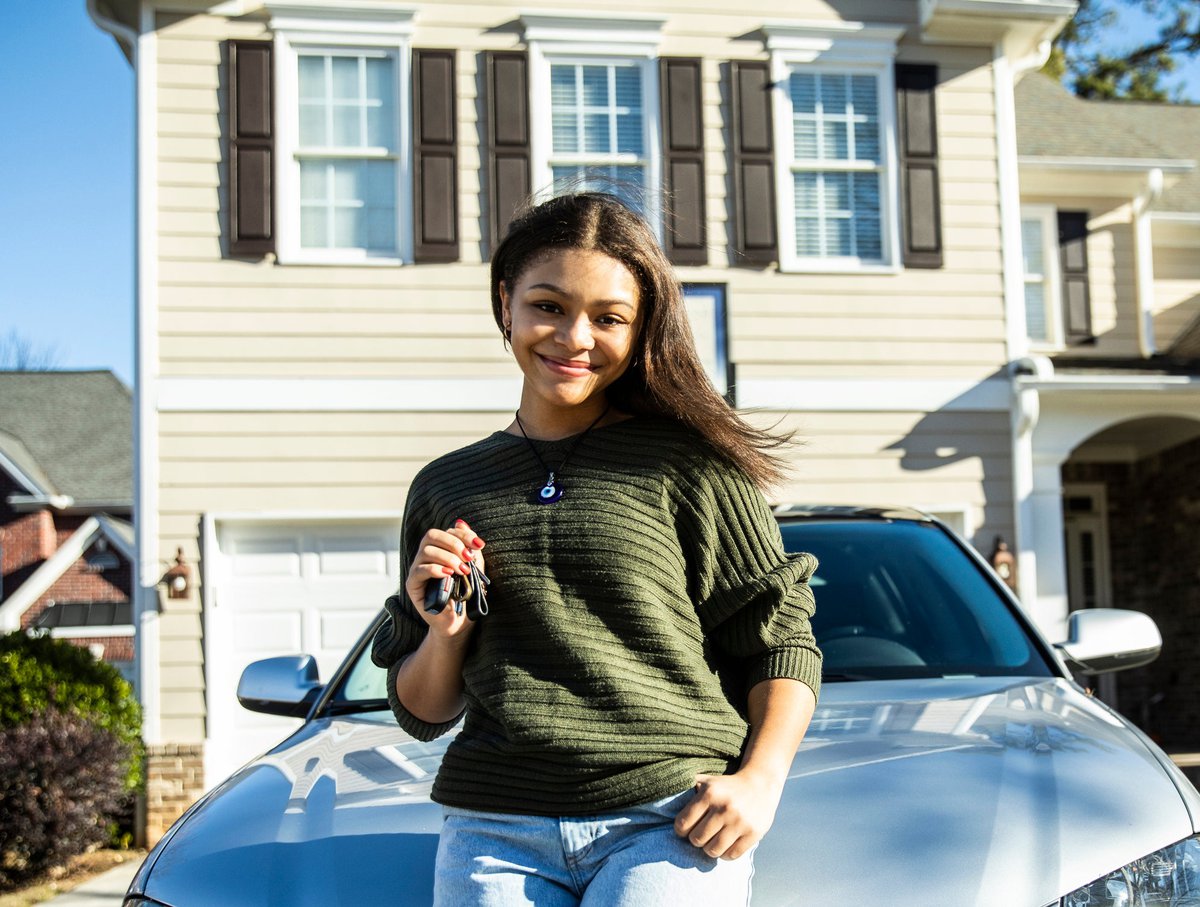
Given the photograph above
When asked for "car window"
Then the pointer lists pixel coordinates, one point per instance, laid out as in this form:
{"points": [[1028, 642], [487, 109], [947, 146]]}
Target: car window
{"points": [[901, 599]]}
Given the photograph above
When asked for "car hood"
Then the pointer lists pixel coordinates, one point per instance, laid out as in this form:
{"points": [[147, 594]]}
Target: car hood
{"points": [[927, 792]]}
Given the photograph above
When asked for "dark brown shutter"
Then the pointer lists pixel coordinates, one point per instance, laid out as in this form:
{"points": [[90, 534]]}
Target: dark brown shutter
{"points": [[1072, 254], [921, 210], [508, 157], [685, 237], [251, 149], [435, 157], [755, 237]]}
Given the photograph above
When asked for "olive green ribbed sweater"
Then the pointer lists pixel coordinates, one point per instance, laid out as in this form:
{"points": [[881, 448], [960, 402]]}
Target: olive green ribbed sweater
{"points": [[627, 621]]}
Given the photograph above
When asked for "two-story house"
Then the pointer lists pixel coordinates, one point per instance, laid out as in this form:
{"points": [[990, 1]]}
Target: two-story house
{"points": [[1107, 422], [319, 186]]}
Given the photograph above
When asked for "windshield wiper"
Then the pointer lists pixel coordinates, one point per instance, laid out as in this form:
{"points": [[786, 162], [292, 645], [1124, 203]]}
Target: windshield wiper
{"points": [[840, 677], [354, 706]]}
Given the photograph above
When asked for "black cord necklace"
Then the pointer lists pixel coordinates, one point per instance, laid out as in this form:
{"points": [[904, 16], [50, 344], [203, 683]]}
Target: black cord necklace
{"points": [[552, 491]]}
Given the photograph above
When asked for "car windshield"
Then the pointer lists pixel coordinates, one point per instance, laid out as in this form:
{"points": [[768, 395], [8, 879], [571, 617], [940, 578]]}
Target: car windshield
{"points": [[895, 598], [899, 598]]}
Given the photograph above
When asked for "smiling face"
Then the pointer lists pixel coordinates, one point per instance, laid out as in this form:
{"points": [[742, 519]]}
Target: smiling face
{"points": [[574, 320]]}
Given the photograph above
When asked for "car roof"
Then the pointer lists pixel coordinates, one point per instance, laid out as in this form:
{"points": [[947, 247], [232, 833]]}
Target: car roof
{"points": [[786, 512]]}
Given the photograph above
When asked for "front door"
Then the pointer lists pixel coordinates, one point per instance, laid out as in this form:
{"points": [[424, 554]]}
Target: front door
{"points": [[1088, 583]]}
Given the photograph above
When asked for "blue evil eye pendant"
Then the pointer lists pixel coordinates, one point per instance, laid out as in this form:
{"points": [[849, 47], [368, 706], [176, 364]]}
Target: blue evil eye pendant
{"points": [[550, 493]]}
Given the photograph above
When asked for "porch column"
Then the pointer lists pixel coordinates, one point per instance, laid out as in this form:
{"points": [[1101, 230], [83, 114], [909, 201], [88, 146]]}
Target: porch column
{"points": [[1049, 609]]}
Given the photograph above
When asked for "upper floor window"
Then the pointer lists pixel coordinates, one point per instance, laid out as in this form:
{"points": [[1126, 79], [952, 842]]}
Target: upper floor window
{"points": [[595, 108], [344, 167], [1055, 266], [598, 123], [347, 151], [835, 126], [836, 166]]}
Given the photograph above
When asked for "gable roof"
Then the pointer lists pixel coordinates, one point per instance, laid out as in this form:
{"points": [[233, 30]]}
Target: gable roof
{"points": [[68, 433], [119, 532], [1053, 123]]}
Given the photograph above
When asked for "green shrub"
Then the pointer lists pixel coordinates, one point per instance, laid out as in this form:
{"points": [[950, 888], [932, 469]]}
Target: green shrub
{"points": [[38, 673], [61, 784]]}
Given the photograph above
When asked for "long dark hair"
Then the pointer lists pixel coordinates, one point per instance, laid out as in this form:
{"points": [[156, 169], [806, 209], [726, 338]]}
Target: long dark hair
{"points": [[665, 377]]}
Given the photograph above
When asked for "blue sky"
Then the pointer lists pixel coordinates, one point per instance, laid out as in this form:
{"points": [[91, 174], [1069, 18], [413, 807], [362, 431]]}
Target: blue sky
{"points": [[67, 204]]}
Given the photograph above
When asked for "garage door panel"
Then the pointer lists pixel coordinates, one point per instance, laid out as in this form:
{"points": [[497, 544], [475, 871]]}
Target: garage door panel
{"points": [[265, 557], [284, 589], [352, 556], [265, 633]]}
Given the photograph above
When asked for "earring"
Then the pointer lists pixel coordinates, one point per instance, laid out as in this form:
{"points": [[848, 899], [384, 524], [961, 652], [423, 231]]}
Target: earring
{"points": [[507, 332]]}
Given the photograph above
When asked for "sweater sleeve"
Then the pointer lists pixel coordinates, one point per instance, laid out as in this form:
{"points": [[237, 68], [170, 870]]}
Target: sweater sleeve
{"points": [[753, 599], [403, 630]]}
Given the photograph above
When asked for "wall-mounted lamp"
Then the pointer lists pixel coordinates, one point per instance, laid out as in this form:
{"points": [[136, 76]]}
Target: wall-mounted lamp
{"points": [[179, 577], [1004, 563]]}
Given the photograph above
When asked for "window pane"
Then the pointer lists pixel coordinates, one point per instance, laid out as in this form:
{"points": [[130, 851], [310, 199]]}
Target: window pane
{"points": [[313, 183], [629, 87], [1031, 247], [1035, 311], [349, 228], [345, 78], [381, 129], [805, 137], [312, 125], [562, 86], [868, 225], [347, 126], [837, 237], [803, 88], [808, 237], [837, 191], [866, 142], [625, 181], [595, 132], [313, 227], [836, 142], [864, 97], [312, 78], [835, 94], [381, 229], [565, 132], [595, 85]]}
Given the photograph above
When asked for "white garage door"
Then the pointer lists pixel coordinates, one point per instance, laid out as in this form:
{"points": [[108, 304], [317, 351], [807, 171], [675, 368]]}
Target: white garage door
{"points": [[285, 589]]}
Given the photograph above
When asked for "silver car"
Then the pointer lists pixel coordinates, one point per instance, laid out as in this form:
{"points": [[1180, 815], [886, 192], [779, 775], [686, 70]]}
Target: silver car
{"points": [[953, 760]]}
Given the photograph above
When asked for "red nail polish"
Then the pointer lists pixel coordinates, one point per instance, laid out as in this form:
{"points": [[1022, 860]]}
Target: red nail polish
{"points": [[477, 542], [459, 523]]}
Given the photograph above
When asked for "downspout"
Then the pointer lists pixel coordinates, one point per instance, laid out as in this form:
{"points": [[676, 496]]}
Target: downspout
{"points": [[146, 573], [1143, 247], [1025, 402]]}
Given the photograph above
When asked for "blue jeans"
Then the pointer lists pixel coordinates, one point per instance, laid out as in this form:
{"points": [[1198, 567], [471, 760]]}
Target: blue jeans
{"points": [[629, 858]]}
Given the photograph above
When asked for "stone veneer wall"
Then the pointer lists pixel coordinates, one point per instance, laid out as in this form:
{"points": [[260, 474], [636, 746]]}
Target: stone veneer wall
{"points": [[174, 781], [1154, 539]]}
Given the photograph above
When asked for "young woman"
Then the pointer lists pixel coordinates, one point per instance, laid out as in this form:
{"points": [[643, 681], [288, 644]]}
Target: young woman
{"points": [[646, 672]]}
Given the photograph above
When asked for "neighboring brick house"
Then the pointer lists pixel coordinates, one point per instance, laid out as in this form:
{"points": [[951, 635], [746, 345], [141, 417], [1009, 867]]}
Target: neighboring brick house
{"points": [[66, 502], [1109, 396]]}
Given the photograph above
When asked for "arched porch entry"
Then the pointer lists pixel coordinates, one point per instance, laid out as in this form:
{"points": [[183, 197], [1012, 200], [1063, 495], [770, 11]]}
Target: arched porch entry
{"points": [[1117, 524]]}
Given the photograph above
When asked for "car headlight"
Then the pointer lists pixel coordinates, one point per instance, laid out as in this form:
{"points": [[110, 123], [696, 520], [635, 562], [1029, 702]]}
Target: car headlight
{"points": [[1170, 877]]}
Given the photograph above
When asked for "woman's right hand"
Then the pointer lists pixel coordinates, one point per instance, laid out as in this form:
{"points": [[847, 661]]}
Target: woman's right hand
{"points": [[443, 553]]}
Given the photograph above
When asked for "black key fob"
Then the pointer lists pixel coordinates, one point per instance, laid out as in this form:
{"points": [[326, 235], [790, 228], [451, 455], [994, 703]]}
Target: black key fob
{"points": [[437, 594]]}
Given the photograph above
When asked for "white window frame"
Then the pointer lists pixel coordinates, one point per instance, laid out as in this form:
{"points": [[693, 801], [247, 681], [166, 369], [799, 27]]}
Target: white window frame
{"points": [[1047, 215], [848, 48], [576, 40], [323, 30]]}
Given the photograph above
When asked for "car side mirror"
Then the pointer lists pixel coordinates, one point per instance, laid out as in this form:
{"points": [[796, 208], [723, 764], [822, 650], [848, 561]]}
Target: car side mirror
{"points": [[1109, 639], [286, 685]]}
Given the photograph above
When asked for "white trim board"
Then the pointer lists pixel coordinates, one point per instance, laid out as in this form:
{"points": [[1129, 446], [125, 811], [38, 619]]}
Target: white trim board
{"points": [[486, 394]]}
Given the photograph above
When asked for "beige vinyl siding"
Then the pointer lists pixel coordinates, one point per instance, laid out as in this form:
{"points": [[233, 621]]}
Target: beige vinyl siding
{"points": [[1176, 293], [954, 325]]}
